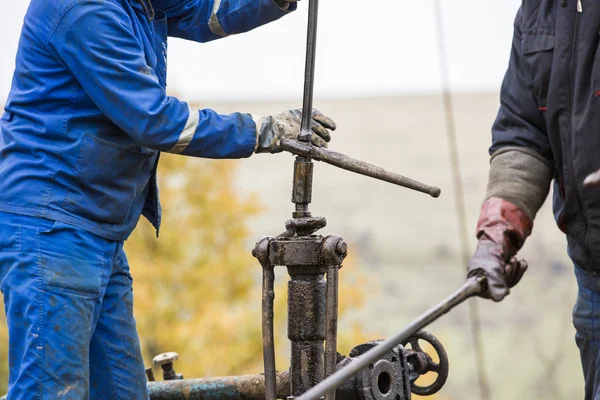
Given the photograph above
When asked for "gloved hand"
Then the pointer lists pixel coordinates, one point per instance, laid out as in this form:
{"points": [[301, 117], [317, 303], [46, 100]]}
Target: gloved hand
{"points": [[271, 129], [502, 230], [285, 4]]}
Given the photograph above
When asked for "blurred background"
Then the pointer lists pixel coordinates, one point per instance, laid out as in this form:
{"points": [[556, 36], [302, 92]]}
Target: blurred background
{"points": [[378, 77]]}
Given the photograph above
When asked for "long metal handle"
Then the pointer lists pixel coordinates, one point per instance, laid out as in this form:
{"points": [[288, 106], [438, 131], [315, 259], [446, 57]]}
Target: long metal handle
{"points": [[471, 287], [360, 167], [309, 71]]}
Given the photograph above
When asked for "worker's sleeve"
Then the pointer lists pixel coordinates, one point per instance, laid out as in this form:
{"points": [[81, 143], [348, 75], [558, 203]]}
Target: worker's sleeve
{"points": [[206, 20], [520, 121], [521, 167], [96, 43]]}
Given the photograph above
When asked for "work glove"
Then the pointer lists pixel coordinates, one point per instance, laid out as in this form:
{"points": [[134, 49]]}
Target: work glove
{"points": [[502, 230], [271, 129], [284, 4]]}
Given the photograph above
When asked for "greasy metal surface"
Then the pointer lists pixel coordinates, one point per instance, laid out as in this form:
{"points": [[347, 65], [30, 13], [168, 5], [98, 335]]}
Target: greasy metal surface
{"points": [[309, 70], [261, 252], [423, 363], [360, 167], [386, 378], [248, 387], [331, 327], [306, 326], [305, 226], [303, 181], [471, 287], [296, 251], [150, 374]]}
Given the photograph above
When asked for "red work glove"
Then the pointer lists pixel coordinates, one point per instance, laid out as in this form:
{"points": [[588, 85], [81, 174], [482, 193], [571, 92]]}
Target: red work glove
{"points": [[501, 230]]}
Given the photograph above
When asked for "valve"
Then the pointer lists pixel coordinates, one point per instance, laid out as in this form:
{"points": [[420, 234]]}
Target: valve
{"points": [[166, 361], [422, 363]]}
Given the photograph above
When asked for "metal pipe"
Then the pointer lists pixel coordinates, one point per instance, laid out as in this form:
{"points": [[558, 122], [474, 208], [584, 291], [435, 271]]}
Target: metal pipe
{"points": [[247, 387], [268, 297], [360, 167], [306, 326], [471, 287], [331, 294], [309, 71]]}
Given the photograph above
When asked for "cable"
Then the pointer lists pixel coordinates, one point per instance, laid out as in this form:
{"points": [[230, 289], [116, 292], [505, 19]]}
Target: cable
{"points": [[461, 214]]}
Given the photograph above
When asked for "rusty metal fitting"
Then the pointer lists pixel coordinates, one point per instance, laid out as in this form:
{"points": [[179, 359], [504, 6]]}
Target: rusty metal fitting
{"points": [[261, 251], [165, 361], [306, 226], [335, 250]]}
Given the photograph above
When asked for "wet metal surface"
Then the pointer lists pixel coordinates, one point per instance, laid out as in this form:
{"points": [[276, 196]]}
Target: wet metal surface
{"points": [[360, 167], [471, 287]]}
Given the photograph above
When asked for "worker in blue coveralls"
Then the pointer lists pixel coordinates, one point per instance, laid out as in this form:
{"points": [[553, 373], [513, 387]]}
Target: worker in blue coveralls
{"points": [[85, 122]]}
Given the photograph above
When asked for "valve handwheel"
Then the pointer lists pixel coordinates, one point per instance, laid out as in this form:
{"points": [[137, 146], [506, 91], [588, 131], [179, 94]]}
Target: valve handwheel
{"points": [[422, 363]]}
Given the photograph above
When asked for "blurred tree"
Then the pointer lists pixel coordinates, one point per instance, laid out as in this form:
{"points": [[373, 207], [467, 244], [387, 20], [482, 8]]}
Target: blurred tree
{"points": [[197, 288]]}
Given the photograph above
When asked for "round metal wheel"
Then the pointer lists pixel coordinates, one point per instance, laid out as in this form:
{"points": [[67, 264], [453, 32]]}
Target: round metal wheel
{"points": [[424, 364]]}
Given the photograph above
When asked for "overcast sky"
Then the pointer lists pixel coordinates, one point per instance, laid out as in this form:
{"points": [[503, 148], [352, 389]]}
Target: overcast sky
{"points": [[366, 47]]}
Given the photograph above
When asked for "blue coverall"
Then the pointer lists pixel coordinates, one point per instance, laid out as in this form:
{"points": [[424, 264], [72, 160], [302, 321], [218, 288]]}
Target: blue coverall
{"points": [[85, 122]]}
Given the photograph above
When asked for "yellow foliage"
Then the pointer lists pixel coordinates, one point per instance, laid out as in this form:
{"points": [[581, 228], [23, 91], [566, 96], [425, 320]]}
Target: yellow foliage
{"points": [[197, 287]]}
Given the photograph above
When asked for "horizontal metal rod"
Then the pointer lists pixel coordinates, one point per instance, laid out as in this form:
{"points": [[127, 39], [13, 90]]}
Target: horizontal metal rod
{"points": [[471, 287], [246, 387], [360, 167]]}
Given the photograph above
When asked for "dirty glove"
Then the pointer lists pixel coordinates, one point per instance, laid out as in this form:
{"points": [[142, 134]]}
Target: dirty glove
{"points": [[518, 184], [502, 230], [271, 129], [284, 4]]}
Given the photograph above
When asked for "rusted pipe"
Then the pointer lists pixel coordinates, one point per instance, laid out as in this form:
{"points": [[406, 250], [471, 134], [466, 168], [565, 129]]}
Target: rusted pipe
{"points": [[360, 167], [246, 387], [331, 294]]}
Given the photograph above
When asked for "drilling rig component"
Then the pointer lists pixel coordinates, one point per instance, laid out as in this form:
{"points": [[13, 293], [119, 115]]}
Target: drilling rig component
{"points": [[334, 252], [150, 374], [309, 71], [165, 361], [473, 286], [245, 387], [302, 189], [386, 378], [302, 251], [360, 167], [305, 226], [422, 363], [261, 252]]}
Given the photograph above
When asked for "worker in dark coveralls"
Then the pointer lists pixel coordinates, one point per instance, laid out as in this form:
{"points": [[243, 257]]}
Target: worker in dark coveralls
{"points": [[548, 130], [85, 122]]}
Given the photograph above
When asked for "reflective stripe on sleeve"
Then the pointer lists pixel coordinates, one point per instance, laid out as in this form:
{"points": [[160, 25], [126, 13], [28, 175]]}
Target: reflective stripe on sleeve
{"points": [[186, 136], [213, 23]]}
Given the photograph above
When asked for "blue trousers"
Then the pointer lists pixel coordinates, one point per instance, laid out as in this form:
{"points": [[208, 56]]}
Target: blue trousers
{"points": [[586, 318], [69, 305]]}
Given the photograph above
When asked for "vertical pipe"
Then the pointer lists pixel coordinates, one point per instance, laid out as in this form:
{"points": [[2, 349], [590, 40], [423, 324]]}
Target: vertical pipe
{"points": [[268, 296], [306, 327], [331, 294], [309, 71]]}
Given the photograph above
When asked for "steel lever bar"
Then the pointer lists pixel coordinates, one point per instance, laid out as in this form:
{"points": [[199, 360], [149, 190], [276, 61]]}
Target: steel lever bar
{"points": [[360, 167], [470, 288]]}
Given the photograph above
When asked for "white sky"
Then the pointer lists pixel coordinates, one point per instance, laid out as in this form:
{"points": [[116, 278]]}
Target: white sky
{"points": [[387, 47]]}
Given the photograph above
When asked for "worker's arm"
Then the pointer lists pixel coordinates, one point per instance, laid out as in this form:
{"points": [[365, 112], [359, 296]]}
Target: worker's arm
{"points": [[521, 171], [96, 43], [206, 20]]}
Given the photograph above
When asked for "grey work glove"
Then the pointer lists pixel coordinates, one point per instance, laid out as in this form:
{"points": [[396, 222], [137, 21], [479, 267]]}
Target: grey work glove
{"points": [[271, 129]]}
